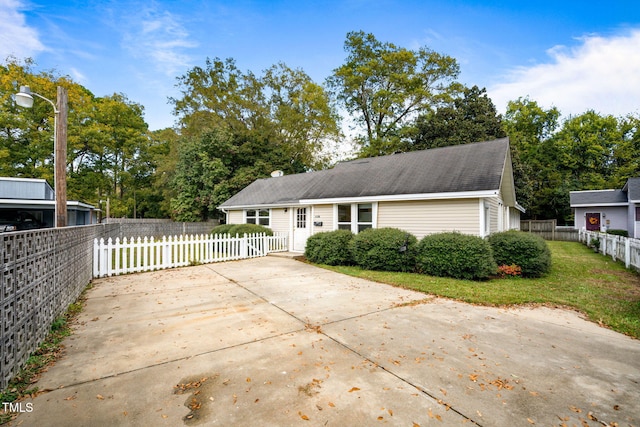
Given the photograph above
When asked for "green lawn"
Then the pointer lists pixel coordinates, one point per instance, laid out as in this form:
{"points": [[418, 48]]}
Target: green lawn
{"points": [[595, 285]]}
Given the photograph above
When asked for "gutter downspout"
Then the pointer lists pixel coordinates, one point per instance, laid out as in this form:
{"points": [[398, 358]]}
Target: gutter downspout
{"points": [[226, 215]]}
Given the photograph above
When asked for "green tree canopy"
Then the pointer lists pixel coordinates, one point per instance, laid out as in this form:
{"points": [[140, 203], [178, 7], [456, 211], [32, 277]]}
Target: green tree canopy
{"points": [[384, 87], [283, 106], [107, 143], [471, 117]]}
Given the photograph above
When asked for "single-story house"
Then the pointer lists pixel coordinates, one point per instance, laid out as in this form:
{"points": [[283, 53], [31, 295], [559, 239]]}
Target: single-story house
{"points": [[35, 199], [602, 210], [467, 188]]}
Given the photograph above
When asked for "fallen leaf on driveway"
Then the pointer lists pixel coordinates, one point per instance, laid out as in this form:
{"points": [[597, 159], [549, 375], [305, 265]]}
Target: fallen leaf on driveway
{"points": [[100, 397], [354, 389], [303, 416]]}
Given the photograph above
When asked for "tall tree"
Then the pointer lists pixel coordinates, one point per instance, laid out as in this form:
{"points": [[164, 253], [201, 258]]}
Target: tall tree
{"points": [[529, 128], [471, 117], [384, 87], [214, 166], [284, 107], [585, 147], [626, 154], [107, 145]]}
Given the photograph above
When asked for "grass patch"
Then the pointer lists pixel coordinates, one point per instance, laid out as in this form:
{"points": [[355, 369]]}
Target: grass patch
{"points": [[591, 283], [23, 384]]}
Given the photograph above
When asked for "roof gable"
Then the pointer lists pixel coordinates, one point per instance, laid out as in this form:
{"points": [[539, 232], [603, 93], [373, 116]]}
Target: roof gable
{"points": [[632, 187], [454, 169]]}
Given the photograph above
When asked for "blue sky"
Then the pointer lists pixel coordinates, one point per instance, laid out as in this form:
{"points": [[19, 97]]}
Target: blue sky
{"points": [[575, 55]]}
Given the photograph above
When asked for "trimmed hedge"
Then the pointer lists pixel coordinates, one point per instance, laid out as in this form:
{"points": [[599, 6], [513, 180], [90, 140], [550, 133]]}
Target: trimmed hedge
{"points": [[456, 255], [241, 229], [222, 229], [616, 232], [388, 249], [330, 247], [528, 251]]}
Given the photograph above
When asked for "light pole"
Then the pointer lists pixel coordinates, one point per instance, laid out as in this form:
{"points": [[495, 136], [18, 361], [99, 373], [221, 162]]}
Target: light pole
{"points": [[24, 98]]}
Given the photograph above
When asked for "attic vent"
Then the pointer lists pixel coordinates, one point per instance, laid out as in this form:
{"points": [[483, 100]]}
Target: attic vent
{"points": [[275, 174]]}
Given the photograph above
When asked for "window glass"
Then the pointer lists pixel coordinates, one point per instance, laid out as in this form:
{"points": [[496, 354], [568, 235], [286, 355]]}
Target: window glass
{"points": [[637, 213], [365, 213], [260, 217], [344, 213], [363, 227], [301, 218]]}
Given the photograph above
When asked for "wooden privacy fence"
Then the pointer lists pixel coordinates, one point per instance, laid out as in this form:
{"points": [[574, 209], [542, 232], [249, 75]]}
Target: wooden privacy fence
{"points": [[116, 256], [620, 248], [549, 230]]}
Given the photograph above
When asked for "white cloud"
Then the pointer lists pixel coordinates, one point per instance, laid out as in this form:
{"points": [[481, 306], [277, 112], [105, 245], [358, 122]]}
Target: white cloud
{"points": [[16, 37], [602, 74], [162, 39]]}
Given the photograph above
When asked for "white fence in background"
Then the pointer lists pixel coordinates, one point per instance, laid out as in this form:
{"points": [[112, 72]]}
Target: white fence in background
{"points": [[620, 248], [114, 257]]}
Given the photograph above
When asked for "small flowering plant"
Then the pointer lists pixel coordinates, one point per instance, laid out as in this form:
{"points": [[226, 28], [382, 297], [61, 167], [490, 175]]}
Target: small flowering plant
{"points": [[509, 271]]}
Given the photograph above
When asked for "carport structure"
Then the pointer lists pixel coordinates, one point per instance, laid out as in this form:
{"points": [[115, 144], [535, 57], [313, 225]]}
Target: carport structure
{"points": [[276, 342]]}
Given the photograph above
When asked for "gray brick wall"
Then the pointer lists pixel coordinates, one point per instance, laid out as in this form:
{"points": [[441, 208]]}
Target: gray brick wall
{"points": [[44, 271]]}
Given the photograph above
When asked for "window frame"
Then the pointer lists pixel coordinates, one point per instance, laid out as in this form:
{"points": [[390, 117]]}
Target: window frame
{"points": [[257, 217], [355, 224]]}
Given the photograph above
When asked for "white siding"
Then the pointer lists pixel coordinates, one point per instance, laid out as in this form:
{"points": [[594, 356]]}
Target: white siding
{"points": [[323, 214], [514, 219], [280, 220], [494, 208], [431, 216], [235, 217]]}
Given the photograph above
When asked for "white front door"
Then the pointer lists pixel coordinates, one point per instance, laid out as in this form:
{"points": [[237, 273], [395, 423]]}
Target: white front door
{"points": [[301, 228]]}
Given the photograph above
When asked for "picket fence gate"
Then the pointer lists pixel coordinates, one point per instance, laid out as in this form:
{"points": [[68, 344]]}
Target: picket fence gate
{"points": [[115, 256], [619, 248]]}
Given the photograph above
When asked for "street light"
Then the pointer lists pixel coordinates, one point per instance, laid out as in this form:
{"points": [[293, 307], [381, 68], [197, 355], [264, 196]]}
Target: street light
{"points": [[24, 98]]}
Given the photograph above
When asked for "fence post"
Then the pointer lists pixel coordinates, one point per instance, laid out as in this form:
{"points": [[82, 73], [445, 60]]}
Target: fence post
{"points": [[627, 252], [96, 253], [245, 246], [108, 257]]}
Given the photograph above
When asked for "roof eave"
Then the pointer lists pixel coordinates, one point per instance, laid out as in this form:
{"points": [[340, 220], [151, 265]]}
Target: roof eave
{"points": [[596, 205], [403, 197]]}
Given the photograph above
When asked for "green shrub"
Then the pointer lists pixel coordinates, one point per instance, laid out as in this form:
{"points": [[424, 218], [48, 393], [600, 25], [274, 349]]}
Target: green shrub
{"points": [[330, 247], [615, 232], [241, 229], [222, 229], [388, 249], [456, 255], [526, 250]]}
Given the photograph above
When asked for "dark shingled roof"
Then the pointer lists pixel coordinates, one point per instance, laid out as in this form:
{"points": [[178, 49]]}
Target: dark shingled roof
{"points": [[597, 197], [460, 168], [632, 187]]}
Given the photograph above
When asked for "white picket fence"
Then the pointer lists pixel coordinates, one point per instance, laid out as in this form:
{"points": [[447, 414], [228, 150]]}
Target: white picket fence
{"points": [[618, 247], [114, 257]]}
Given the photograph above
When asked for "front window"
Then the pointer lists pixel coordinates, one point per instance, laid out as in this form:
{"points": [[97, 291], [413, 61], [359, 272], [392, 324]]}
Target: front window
{"points": [[258, 216], [344, 217], [355, 217], [638, 213], [365, 216]]}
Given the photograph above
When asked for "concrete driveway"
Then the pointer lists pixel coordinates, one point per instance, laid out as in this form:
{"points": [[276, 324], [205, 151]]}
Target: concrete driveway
{"points": [[276, 342]]}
